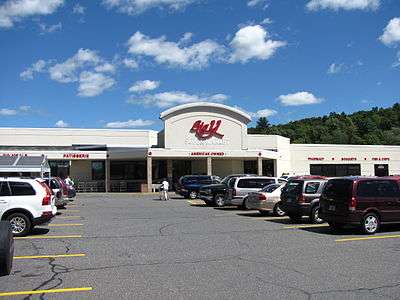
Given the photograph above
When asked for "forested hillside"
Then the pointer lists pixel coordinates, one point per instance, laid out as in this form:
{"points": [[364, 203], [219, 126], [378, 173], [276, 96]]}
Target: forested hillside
{"points": [[377, 126]]}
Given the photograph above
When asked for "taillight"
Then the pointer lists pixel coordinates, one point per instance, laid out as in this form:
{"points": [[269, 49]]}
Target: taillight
{"points": [[353, 204], [262, 197], [47, 198], [300, 199]]}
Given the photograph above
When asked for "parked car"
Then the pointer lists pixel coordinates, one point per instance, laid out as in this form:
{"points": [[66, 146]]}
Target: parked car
{"points": [[189, 186], [59, 191], [366, 202], [215, 194], [240, 187], [267, 200], [300, 197], [25, 203]]}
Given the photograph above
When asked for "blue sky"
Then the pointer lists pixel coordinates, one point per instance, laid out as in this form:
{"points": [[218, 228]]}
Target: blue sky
{"points": [[119, 63]]}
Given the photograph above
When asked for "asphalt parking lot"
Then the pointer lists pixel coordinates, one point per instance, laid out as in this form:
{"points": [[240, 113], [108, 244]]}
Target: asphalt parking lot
{"points": [[137, 247]]}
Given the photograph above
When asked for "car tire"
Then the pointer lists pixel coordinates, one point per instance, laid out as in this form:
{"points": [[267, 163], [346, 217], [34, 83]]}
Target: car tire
{"points": [[20, 224], [295, 218], [219, 200], [370, 223], [244, 204], [278, 212], [335, 226], [6, 248], [192, 195], [314, 216]]}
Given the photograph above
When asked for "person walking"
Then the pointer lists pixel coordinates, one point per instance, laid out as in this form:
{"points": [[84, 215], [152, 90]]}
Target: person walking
{"points": [[164, 190]]}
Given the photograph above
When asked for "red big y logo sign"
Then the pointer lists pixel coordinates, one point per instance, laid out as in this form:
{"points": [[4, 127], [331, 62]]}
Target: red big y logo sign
{"points": [[206, 131]]}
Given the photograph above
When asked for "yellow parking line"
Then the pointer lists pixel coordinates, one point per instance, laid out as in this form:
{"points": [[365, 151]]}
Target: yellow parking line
{"points": [[306, 226], [68, 217], [47, 237], [83, 289], [375, 237], [195, 202], [272, 218], [49, 256], [65, 225]]}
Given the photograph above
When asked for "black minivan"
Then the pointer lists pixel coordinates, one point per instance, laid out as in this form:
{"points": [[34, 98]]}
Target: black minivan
{"points": [[366, 202]]}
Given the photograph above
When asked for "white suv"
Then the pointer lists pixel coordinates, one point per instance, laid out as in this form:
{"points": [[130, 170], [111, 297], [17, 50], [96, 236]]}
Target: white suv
{"points": [[25, 203]]}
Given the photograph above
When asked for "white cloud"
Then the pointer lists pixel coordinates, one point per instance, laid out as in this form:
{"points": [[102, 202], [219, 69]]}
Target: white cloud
{"points": [[343, 4], [78, 9], [44, 28], [129, 123], [167, 99], [391, 33], [267, 21], [37, 67], [61, 124], [196, 56], [396, 63], [335, 68], [144, 85], [251, 42], [105, 68], [25, 108], [130, 63], [134, 7], [92, 84], [12, 11], [300, 98], [67, 71], [252, 3], [266, 112], [8, 112]]}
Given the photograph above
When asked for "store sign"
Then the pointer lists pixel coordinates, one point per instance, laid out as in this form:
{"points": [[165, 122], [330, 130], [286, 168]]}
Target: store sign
{"points": [[349, 158], [13, 154], [206, 131], [76, 155], [380, 158], [316, 158], [207, 153]]}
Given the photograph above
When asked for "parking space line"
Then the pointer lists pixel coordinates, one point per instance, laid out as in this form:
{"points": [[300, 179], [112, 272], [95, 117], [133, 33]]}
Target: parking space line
{"points": [[83, 289], [272, 218], [196, 202], [306, 226], [375, 237], [50, 256], [32, 237], [65, 225]]}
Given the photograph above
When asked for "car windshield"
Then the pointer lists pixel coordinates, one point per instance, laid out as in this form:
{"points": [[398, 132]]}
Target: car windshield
{"points": [[270, 188]]}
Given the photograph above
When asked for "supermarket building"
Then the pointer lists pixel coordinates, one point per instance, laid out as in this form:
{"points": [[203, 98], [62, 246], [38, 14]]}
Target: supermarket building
{"points": [[197, 138]]}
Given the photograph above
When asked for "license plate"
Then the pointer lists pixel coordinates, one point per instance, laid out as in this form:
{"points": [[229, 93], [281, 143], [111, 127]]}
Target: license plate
{"points": [[332, 208]]}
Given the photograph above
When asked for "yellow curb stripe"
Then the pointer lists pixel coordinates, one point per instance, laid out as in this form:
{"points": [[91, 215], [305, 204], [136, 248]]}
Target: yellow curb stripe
{"points": [[65, 225], [83, 289], [49, 256], [396, 236], [306, 226], [47, 237]]}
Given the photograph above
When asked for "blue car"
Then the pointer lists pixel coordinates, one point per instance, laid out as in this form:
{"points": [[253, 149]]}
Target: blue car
{"points": [[189, 186]]}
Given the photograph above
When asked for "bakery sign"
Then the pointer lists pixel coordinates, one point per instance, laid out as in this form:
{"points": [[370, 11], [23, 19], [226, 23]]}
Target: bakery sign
{"points": [[204, 131], [76, 155]]}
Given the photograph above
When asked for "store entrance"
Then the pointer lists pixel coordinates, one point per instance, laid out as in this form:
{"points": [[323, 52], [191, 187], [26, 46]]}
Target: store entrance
{"points": [[59, 168], [381, 170]]}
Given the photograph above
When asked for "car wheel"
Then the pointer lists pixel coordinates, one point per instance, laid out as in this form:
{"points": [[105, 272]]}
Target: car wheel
{"points": [[20, 224], [192, 195], [219, 200], [278, 212], [335, 226], [295, 218], [314, 217], [6, 248], [370, 223], [244, 204]]}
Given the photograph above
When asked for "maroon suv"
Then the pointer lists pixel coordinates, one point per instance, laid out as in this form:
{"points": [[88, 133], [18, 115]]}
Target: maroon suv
{"points": [[363, 201]]}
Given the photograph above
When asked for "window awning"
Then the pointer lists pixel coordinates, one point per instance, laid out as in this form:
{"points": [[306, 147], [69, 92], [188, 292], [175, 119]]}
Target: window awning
{"points": [[37, 164]]}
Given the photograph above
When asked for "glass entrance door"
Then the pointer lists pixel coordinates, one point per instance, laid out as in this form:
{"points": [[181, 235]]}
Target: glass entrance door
{"points": [[382, 170]]}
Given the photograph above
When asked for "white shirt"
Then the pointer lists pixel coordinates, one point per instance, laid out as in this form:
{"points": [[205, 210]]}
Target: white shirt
{"points": [[165, 185]]}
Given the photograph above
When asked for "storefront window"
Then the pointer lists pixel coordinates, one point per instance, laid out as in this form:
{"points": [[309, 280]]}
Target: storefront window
{"points": [[128, 170], [250, 167], [335, 170], [59, 168], [98, 170]]}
